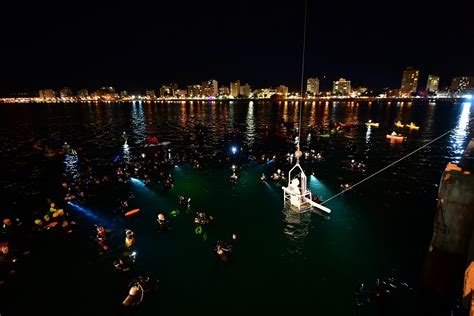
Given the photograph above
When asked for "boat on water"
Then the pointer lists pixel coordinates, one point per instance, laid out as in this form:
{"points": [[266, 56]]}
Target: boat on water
{"points": [[370, 123], [399, 124], [396, 137], [413, 126]]}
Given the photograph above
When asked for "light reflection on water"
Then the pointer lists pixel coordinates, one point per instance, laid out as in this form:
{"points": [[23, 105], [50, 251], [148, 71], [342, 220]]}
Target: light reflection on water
{"points": [[71, 167], [296, 229], [458, 137]]}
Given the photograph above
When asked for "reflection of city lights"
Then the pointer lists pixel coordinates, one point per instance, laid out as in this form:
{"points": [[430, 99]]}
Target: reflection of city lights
{"points": [[460, 133], [367, 135]]}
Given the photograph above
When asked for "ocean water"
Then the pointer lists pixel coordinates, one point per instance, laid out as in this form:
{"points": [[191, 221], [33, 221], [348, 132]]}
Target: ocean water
{"points": [[283, 262]]}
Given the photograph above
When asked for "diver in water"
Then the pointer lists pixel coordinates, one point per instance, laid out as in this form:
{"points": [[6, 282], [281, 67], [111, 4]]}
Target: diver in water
{"points": [[162, 222], [224, 250], [129, 238], [121, 266], [202, 218], [137, 290], [124, 138], [101, 238], [124, 263], [182, 199]]}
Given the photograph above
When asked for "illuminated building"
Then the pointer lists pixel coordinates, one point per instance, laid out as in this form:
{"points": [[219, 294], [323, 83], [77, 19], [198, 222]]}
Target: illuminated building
{"points": [[210, 88], [123, 94], [245, 90], [150, 94], [432, 85], [165, 91], [83, 94], [312, 86], [409, 82], [47, 94], [341, 87], [357, 92], [194, 91], [106, 93], [265, 93], [65, 93], [179, 93], [282, 90], [460, 84], [224, 90], [235, 88]]}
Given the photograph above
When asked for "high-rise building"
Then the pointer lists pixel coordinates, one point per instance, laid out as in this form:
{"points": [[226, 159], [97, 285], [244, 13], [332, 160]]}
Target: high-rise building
{"points": [[210, 88], [235, 88], [224, 90], [65, 93], [409, 81], [312, 86], [245, 90], [165, 91], [194, 90], [459, 84], [83, 94], [47, 94], [432, 85], [282, 90], [341, 87]]}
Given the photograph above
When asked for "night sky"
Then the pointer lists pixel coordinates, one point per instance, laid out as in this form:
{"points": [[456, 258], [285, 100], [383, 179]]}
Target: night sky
{"points": [[137, 45]]}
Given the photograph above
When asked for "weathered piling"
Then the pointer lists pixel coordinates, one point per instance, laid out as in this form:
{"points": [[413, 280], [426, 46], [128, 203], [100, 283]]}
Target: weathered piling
{"points": [[450, 256]]}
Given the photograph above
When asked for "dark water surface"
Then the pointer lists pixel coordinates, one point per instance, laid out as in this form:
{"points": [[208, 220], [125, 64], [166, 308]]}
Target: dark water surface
{"points": [[283, 262]]}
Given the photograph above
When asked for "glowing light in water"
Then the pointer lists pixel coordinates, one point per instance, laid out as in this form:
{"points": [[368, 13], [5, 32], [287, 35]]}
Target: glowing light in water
{"points": [[88, 213], [137, 182], [234, 149], [458, 138]]}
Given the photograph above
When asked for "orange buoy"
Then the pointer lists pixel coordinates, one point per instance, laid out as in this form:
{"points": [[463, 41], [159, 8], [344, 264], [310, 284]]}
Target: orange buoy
{"points": [[132, 212]]}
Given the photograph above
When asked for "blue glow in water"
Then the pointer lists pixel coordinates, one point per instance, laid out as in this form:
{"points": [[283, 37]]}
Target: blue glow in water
{"points": [[88, 213], [234, 149], [137, 182]]}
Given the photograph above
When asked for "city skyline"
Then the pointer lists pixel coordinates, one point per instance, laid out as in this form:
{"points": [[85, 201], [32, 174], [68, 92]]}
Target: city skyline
{"points": [[142, 45]]}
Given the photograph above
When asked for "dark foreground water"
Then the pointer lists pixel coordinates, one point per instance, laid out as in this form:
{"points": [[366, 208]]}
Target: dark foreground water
{"points": [[283, 262]]}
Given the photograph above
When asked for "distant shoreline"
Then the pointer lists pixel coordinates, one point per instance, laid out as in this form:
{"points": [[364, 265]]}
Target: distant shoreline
{"points": [[158, 100]]}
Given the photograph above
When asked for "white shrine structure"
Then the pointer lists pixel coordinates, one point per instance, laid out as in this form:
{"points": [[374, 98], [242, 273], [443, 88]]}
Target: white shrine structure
{"points": [[296, 194]]}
